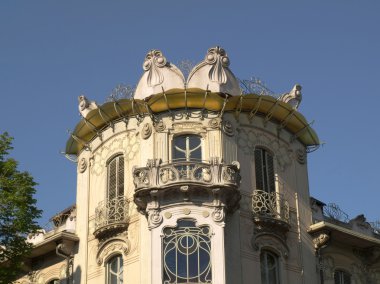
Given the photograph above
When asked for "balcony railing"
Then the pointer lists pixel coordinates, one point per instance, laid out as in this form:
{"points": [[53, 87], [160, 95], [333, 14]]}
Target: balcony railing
{"points": [[271, 206], [111, 214], [161, 175]]}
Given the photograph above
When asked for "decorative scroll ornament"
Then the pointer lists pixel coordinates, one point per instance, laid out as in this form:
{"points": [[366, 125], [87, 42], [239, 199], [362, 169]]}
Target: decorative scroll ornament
{"points": [[321, 240], [153, 61], [154, 218], [214, 123], [228, 128], [160, 126], [218, 214], [301, 156], [82, 165], [146, 131], [294, 97], [218, 58], [85, 106], [118, 245]]}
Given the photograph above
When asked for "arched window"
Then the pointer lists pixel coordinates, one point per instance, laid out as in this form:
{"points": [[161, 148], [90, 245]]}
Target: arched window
{"points": [[115, 184], [186, 253], [342, 277], [269, 268], [115, 270], [54, 281], [264, 171], [187, 147]]}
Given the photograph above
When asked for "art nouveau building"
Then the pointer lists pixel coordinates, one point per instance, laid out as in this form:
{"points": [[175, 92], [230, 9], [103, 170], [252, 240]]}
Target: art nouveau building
{"points": [[197, 180]]}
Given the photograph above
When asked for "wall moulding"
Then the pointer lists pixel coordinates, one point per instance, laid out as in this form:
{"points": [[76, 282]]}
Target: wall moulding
{"points": [[112, 247], [127, 144], [249, 139]]}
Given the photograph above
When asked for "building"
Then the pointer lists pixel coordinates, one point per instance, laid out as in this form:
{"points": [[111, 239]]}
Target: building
{"points": [[198, 180]]}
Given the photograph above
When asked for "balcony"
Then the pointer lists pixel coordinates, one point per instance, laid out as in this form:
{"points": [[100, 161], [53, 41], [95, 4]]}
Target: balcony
{"points": [[187, 177], [111, 216], [270, 210]]}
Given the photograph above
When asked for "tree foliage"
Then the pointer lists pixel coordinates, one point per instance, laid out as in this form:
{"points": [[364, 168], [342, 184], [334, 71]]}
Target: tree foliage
{"points": [[18, 212]]}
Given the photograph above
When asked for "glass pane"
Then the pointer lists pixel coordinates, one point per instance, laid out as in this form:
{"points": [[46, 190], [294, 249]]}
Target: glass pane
{"points": [[186, 251], [269, 268], [115, 270], [187, 147]]}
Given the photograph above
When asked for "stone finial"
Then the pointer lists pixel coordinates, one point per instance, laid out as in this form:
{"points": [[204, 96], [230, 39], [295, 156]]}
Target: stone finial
{"points": [[159, 75], [85, 106], [213, 74], [294, 97]]}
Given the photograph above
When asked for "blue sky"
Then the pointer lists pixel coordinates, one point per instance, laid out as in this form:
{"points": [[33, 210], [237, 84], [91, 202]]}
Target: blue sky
{"points": [[53, 51]]}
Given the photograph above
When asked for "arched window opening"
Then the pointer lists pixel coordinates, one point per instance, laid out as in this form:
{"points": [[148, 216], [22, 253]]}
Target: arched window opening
{"points": [[187, 147], [186, 253], [115, 171], [264, 171], [269, 268], [54, 281], [342, 277], [115, 270]]}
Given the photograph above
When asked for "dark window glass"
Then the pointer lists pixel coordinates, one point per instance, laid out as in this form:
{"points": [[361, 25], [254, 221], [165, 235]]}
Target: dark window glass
{"points": [[187, 147], [269, 268], [342, 277], [186, 253], [264, 171]]}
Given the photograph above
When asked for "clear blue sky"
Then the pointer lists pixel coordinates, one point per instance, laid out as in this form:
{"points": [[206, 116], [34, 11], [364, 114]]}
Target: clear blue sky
{"points": [[52, 51]]}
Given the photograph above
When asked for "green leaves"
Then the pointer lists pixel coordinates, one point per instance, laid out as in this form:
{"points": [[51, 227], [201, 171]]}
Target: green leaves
{"points": [[18, 212]]}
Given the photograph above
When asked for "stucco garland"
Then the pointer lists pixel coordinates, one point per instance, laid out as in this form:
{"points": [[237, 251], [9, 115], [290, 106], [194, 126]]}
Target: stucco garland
{"points": [[111, 247]]}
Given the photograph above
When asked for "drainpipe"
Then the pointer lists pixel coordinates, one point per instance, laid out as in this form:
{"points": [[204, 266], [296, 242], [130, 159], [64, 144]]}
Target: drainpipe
{"points": [[59, 251]]}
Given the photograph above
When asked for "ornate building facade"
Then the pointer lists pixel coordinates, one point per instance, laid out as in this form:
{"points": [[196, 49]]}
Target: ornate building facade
{"points": [[198, 180]]}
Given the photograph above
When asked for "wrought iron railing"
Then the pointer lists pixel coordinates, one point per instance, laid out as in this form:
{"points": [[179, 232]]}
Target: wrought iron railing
{"points": [[270, 205], [157, 174], [111, 213]]}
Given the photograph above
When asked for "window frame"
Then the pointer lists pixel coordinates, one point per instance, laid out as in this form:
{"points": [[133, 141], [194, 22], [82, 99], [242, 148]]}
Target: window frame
{"points": [[265, 253], [120, 268], [187, 134]]}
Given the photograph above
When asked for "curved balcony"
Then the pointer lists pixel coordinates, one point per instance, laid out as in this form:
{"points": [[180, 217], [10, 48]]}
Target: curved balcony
{"points": [[111, 216], [173, 173], [270, 210], [186, 176]]}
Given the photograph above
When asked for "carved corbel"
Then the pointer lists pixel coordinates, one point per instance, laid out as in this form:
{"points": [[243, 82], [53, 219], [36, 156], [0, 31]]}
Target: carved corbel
{"points": [[321, 239]]}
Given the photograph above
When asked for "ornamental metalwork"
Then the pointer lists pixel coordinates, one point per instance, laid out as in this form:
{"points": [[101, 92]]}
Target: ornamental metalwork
{"points": [[187, 253], [111, 214], [270, 205], [192, 172], [121, 91], [333, 211], [255, 86]]}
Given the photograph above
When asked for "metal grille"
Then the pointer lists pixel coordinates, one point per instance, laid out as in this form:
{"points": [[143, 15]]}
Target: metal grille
{"points": [[186, 254], [271, 205], [111, 211]]}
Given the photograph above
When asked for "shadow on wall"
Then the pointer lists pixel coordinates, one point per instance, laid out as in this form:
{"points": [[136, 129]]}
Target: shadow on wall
{"points": [[77, 275]]}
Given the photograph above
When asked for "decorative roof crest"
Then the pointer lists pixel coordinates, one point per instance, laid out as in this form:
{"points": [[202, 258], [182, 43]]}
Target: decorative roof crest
{"points": [[153, 61], [213, 74], [159, 75], [218, 58]]}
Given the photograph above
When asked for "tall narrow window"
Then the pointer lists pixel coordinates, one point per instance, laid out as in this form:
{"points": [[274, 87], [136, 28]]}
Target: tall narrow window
{"points": [[269, 268], [115, 205], [115, 178], [342, 277], [187, 147], [115, 270], [186, 253], [264, 170]]}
